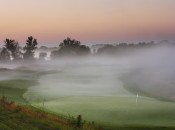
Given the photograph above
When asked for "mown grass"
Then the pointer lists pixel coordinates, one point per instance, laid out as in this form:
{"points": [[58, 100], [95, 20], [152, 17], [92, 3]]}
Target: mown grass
{"points": [[117, 112], [15, 88]]}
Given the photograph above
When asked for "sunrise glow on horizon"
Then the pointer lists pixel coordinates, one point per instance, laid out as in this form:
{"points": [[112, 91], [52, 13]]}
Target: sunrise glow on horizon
{"points": [[90, 21]]}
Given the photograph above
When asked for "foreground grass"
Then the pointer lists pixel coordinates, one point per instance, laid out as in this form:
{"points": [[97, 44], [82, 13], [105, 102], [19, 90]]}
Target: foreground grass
{"points": [[17, 117]]}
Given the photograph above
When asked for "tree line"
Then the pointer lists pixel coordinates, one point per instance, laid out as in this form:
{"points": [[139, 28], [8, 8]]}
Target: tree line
{"points": [[12, 51], [123, 48]]}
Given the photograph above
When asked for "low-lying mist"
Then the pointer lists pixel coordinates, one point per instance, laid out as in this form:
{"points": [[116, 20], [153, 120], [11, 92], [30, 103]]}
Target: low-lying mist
{"points": [[147, 72], [154, 73]]}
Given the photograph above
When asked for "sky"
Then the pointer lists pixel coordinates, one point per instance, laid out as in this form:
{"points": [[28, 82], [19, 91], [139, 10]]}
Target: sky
{"points": [[90, 21]]}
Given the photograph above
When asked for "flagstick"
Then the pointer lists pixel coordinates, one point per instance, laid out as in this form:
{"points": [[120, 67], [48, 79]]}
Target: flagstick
{"points": [[137, 99]]}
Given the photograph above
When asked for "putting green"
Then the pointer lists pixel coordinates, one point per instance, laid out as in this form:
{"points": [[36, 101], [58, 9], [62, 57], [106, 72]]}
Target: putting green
{"points": [[115, 111]]}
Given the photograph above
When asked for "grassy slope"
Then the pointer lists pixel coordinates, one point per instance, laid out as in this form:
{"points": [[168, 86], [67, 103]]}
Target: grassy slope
{"points": [[10, 120], [15, 117]]}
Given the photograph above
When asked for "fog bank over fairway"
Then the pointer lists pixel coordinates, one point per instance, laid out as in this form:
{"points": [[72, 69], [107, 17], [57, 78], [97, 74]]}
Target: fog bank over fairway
{"points": [[82, 78], [151, 70], [104, 89], [100, 88], [154, 73]]}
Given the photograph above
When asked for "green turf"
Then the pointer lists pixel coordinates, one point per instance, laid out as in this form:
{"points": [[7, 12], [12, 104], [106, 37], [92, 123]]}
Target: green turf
{"points": [[116, 111], [14, 89]]}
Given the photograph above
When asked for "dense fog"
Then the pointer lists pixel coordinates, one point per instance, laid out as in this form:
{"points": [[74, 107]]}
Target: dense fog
{"points": [[154, 72], [147, 72]]}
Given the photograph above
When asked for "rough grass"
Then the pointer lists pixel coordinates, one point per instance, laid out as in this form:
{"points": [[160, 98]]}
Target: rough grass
{"points": [[10, 120], [15, 117]]}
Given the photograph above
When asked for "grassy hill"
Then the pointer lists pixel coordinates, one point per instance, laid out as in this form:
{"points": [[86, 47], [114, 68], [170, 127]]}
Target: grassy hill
{"points": [[17, 117]]}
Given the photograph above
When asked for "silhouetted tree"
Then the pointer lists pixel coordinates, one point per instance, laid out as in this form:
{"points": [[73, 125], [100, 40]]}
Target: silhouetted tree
{"points": [[13, 47], [124, 48], [68, 42], [31, 45], [71, 47], [4, 55], [83, 50]]}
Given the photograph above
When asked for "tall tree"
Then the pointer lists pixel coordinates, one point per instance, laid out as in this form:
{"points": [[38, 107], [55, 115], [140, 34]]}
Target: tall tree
{"points": [[71, 47], [4, 55], [31, 45], [13, 47]]}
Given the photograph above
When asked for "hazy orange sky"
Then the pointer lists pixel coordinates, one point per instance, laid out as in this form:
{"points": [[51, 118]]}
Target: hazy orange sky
{"points": [[90, 21]]}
